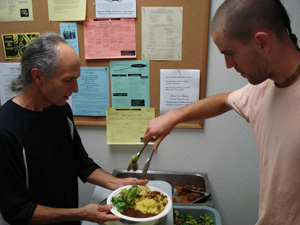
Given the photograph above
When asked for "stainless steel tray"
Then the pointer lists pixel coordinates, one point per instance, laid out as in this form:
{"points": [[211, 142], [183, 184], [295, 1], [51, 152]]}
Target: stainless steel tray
{"points": [[174, 179]]}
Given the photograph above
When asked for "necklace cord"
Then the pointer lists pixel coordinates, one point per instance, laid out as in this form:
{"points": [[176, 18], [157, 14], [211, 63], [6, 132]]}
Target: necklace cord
{"points": [[289, 81]]}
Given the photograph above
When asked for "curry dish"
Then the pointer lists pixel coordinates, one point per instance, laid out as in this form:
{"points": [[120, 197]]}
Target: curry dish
{"points": [[147, 204], [185, 196]]}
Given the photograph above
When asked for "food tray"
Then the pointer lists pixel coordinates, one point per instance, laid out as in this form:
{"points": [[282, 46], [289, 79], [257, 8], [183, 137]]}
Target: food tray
{"points": [[174, 179], [198, 210]]}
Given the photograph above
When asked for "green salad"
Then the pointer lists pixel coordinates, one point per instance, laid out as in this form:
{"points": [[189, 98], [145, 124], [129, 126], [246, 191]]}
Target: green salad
{"points": [[124, 200], [187, 219]]}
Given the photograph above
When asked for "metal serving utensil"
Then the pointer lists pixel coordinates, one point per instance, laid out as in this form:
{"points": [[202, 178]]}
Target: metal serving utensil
{"points": [[202, 198], [147, 164], [133, 160]]}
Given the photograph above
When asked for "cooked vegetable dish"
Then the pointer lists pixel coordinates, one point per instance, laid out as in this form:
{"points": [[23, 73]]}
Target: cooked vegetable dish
{"points": [[140, 201], [185, 196]]}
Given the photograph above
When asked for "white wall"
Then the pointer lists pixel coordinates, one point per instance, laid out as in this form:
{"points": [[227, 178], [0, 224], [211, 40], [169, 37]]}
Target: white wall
{"points": [[225, 149]]}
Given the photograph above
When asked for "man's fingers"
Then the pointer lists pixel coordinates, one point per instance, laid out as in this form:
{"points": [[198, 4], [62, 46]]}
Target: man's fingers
{"points": [[103, 208], [112, 217], [157, 142]]}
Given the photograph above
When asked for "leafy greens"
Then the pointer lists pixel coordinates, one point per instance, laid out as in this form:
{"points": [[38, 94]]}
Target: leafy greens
{"points": [[124, 200], [187, 219]]}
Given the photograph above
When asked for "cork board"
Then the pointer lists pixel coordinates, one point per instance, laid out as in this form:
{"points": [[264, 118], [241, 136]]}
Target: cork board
{"points": [[194, 46]]}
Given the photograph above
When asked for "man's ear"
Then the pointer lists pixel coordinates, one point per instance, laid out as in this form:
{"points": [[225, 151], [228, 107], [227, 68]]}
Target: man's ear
{"points": [[263, 41], [36, 76]]}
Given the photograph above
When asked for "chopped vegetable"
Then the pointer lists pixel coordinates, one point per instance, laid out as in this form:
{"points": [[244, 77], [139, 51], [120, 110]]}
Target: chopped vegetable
{"points": [[133, 162], [124, 200], [133, 158], [187, 219]]}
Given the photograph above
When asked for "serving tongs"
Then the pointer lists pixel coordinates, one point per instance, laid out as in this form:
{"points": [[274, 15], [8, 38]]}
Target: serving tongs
{"points": [[147, 164], [204, 194], [133, 165]]}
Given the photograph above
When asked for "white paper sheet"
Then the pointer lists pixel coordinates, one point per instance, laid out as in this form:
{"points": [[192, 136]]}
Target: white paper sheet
{"points": [[8, 71], [115, 9], [178, 88], [162, 33]]}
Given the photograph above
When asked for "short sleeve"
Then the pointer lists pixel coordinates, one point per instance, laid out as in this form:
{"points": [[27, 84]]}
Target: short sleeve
{"points": [[239, 100]]}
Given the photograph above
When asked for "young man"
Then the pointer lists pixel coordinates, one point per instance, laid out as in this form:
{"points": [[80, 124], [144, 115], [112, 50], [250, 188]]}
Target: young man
{"points": [[256, 39], [41, 154]]}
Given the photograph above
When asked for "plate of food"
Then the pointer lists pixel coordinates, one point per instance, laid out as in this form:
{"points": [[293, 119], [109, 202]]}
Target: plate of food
{"points": [[140, 203]]}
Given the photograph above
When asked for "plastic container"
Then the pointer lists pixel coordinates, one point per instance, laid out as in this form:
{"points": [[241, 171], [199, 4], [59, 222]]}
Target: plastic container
{"points": [[197, 210]]}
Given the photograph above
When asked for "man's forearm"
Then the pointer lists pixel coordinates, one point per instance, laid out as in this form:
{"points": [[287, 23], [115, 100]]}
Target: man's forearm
{"points": [[47, 215], [104, 179], [203, 109], [161, 126], [92, 212]]}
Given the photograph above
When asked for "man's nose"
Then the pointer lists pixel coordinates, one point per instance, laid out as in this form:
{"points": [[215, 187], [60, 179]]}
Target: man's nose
{"points": [[229, 61], [74, 87]]}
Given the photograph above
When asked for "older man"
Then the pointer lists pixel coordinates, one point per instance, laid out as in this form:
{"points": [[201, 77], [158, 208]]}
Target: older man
{"points": [[41, 154]]}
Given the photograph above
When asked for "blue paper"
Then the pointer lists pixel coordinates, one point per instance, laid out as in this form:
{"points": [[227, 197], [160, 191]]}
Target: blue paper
{"points": [[92, 98], [69, 32], [130, 83]]}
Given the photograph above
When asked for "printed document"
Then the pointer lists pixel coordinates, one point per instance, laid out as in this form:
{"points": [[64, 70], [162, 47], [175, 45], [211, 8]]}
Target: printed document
{"points": [[127, 125], [16, 10], [70, 10], [8, 71], [115, 9], [178, 88], [92, 99], [69, 32], [162, 33], [130, 83], [14, 44], [109, 38]]}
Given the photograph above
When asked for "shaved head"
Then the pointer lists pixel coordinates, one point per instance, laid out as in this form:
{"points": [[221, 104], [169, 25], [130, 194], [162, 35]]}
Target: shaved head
{"points": [[240, 19]]}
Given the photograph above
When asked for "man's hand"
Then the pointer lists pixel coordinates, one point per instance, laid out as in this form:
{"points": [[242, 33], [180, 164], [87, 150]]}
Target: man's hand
{"points": [[92, 212], [98, 213], [159, 128], [132, 181]]}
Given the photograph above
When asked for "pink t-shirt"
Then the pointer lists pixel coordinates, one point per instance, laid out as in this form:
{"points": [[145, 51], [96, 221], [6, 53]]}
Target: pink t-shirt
{"points": [[274, 114]]}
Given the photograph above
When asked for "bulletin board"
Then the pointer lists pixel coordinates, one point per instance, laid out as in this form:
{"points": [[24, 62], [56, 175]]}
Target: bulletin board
{"points": [[194, 46]]}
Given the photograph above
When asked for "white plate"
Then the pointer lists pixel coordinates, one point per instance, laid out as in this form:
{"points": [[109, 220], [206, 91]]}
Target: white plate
{"points": [[167, 209]]}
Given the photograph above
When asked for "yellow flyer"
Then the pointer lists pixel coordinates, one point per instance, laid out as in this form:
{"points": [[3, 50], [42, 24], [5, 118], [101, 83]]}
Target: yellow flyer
{"points": [[127, 126], [14, 44]]}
